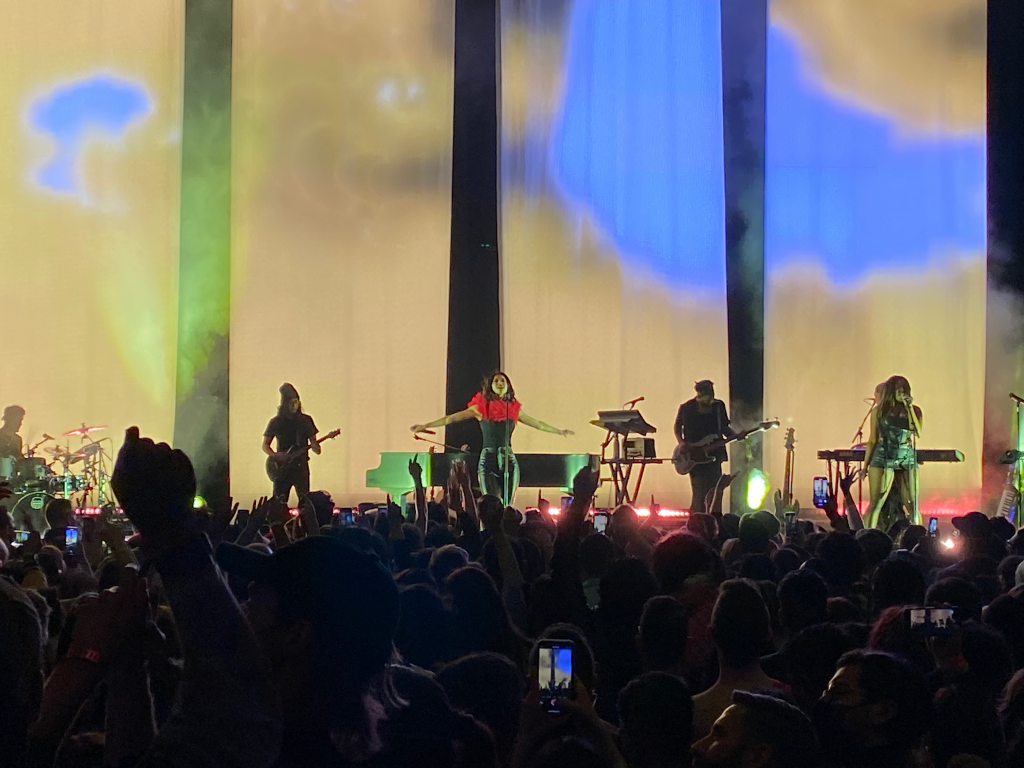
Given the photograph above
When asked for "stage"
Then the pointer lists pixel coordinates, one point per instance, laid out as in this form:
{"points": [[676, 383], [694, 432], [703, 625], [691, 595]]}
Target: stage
{"points": [[381, 201]]}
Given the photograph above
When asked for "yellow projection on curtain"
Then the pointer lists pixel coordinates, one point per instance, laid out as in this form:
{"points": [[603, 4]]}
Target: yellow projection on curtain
{"points": [[91, 104], [341, 217]]}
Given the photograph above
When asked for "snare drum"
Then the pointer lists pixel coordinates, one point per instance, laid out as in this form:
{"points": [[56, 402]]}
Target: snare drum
{"points": [[65, 485], [6, 468], [31, 470]]}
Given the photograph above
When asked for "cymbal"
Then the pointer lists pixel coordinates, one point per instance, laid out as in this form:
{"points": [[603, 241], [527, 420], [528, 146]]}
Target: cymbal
{"points": [[82, 430], [57, 451], [89, 449]]}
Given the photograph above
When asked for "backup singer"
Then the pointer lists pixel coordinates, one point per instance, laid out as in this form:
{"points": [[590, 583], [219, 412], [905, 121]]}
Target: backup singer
{"points": [[295, 433], [697, 419], [496, 408], [891, 455]]}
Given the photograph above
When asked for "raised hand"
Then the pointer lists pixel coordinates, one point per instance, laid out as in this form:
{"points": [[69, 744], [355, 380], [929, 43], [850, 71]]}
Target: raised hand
{"points": [[584, 484], [462, 473], [566, 432], [107, 621], [415, 471], [260, 509], [277, 511], [307, 514], [453, 492], [155, 486]]}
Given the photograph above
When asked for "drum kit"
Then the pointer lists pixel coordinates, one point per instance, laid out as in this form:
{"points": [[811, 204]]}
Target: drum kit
{"points": [[57, 472]]}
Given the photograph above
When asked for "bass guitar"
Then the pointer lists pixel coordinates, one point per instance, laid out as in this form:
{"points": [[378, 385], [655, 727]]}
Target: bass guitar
{"points": [[276, 466], [686, 456], [784, 501]]}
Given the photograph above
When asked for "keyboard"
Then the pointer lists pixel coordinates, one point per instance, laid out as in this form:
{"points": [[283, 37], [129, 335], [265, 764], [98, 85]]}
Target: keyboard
{"points": [[924, 455], [536, 470]]}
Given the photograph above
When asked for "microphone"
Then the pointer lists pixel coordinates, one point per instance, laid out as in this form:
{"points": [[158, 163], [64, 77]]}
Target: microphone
{"points": [[1015, 398], [428, 432], [631, 403], [47, 437]]}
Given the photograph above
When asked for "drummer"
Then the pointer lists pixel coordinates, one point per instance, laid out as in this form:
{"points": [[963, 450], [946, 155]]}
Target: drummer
{"points": [[10, 440]]}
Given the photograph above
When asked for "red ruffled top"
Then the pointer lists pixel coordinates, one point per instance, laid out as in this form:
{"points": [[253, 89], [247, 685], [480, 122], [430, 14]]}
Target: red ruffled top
{"points": [[495, 410]]}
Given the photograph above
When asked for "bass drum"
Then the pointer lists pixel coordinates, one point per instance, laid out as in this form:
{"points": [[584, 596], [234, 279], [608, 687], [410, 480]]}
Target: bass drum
{"points": [[29, 507]]}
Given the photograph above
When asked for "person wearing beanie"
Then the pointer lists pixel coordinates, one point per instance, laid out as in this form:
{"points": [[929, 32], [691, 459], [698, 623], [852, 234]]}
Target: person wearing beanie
{"points": [[295, 432]]}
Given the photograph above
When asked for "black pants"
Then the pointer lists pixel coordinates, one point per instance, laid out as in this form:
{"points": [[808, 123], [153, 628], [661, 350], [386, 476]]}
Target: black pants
{"points": [[491, 473], [293, 476], [703, 478]]}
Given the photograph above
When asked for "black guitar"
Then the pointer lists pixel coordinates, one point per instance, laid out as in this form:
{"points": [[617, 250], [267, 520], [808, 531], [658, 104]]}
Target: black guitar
{"points": [[275, 466], [686, 457]]}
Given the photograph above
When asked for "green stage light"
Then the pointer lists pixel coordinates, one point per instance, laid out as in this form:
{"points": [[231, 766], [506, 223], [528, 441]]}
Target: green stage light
{"points": [[198, 502], [757, 488]]}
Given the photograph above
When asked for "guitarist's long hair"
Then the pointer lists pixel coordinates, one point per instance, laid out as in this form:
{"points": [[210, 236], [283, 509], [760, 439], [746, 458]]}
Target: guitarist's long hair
{"points": [[288, 393], [488, 393]]}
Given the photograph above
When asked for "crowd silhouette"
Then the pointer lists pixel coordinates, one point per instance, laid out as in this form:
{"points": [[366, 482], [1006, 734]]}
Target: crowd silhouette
{"points": [[221, 637]]}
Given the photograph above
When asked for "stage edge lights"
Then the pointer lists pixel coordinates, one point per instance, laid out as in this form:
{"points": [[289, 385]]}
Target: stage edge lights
{"points": [[757, 488]]}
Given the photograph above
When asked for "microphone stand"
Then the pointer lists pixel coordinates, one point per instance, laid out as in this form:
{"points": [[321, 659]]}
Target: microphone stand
{"points": [[915, 515], [463, 449], [858, 439]]}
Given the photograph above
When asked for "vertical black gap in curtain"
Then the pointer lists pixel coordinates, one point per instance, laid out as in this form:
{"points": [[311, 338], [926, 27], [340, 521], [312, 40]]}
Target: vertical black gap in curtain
{"points": [[474, 315], [1005, 353], [744, 74], [201, 410]]}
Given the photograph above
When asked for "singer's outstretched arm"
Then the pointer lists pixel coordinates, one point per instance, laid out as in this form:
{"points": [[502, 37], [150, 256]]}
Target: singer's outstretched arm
{"points": [[538, 424], [444, 421]]}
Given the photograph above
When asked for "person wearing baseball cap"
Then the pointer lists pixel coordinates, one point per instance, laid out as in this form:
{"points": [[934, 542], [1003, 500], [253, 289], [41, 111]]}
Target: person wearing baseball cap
{"points": [[325, 615], [973, 525]]}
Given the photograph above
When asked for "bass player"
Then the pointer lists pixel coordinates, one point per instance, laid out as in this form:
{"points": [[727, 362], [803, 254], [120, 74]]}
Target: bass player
{"points": [[296, 435], [697, 419]]}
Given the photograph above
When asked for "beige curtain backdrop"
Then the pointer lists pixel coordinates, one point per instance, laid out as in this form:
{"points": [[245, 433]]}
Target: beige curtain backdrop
{"points": [[89, 266], [341, 215]]}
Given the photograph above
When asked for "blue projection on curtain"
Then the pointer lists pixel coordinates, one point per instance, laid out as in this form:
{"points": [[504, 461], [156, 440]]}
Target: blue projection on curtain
{"points": [[875, 227], [613, 220], [848, 186], [640, 136]]}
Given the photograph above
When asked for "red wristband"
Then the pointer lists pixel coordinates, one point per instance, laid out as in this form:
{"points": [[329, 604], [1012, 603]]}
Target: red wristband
{"points": [[89, 654]]}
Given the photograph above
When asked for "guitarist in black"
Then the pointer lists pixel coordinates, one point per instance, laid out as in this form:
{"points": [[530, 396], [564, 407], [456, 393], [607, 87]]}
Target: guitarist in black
{"points": [[296, 435], [695, 420]]}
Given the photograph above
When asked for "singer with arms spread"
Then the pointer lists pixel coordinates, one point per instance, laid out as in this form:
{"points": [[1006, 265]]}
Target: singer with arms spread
{"points": [[697, 419], [295, 433], [496, 408], [891, 455]]}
